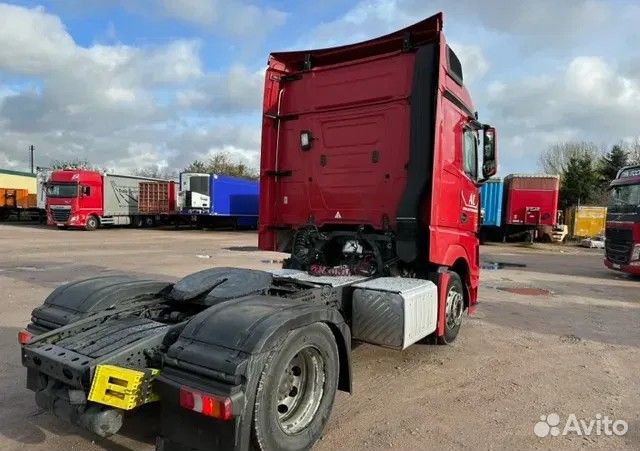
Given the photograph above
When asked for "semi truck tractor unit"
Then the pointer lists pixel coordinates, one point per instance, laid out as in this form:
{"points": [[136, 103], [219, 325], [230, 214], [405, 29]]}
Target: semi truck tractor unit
{"points": [[219, 200], [622, 233], [89, 199], [369, 180]]}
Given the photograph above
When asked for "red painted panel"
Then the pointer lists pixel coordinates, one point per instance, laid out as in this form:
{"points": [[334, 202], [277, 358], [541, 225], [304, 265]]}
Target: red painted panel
{"points": [[531, 200]]}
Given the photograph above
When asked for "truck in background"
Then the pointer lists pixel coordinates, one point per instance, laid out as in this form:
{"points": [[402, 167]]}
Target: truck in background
{"points": [[158, 199], [531, 206], [622, 233], [522, 207], [18, 198], [214, 200], [375, 198], [491, 193], [87, 199]]}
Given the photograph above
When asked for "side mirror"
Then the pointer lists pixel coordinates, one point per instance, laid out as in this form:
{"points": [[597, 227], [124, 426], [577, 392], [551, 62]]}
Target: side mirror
{"points": [[489, 152]]}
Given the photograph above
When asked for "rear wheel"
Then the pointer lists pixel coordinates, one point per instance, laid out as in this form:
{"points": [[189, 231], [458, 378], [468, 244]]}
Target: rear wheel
{"points": [[92, 223], [454, 309], [296, 390]]}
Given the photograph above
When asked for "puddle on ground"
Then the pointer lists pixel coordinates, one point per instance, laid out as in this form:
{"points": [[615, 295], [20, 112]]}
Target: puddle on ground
{"points": [[501, 265], [525, 291]]}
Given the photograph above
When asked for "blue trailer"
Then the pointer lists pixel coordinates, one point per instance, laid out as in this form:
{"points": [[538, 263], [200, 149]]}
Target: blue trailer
{"points": [[219, 200], [491, 198]]}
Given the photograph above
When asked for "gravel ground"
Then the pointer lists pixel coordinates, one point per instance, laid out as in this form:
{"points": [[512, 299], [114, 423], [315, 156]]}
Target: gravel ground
{"points": [[566, 344]]}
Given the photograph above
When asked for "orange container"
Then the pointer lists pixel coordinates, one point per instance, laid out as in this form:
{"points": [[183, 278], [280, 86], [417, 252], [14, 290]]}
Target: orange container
{"points": [[15, 198]]}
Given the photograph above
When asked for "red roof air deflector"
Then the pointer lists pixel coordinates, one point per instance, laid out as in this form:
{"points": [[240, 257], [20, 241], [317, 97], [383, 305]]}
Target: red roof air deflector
{"points": [[419, 33]]}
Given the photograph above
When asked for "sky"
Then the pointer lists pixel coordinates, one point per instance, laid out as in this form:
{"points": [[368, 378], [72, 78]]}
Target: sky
{"points": [[143, 84]]}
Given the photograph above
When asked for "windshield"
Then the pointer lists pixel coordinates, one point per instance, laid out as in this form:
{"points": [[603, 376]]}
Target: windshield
{"points": [[624, 199], [62, 190]]}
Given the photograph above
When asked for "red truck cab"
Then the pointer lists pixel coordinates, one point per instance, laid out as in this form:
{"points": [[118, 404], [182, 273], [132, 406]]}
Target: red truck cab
{"points": [[73, 197], [622, 232], [372, 149]]}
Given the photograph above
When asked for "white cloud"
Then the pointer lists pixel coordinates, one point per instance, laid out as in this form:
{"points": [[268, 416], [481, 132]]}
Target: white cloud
{"points": [[237, 89], [588, 99], [474, 63], [232, 17], [33, 41], [112, 104]]}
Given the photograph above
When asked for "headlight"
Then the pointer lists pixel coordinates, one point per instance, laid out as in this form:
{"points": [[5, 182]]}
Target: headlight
{"points": [[635, 253]]}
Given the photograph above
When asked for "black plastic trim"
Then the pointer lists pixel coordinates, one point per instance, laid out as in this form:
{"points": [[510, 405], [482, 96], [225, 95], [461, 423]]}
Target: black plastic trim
{"points": [[410, 236], [459, 103]]}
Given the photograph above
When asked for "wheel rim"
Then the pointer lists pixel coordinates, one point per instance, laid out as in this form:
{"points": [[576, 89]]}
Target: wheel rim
{"points": [[455, 307], [300, 390]]}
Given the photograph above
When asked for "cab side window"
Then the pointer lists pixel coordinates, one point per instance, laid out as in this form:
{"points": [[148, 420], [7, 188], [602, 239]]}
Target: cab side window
{"points": [[470, 154]]}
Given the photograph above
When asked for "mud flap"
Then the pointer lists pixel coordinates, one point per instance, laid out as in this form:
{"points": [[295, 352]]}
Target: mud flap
{"points": [[443, 282], [222, 352]]}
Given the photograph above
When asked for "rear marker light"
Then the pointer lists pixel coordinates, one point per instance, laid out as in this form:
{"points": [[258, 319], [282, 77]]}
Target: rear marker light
{"points": [[206, 404], [24, 337]]}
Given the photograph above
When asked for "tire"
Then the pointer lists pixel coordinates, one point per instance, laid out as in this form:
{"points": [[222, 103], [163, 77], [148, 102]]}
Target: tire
{"points": [[292, 415], [454, 310], [148, 221], [92, 223]]}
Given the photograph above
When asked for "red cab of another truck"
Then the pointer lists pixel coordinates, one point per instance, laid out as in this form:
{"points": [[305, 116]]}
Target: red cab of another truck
{"points": [[622, 232]]}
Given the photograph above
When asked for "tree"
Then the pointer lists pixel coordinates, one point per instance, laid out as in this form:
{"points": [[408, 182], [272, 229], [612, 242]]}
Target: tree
{"points": [[579, 182], [556, 158], [76, 163], [633, 151], [156, 173], [610, 163], [222, 163]]}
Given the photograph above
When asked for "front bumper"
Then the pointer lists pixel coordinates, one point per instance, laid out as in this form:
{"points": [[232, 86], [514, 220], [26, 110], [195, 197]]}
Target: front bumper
{"points": [[74, 220], [631, 268]]}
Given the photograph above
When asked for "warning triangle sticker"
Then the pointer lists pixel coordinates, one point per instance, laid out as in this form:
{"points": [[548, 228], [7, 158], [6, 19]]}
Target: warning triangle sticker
{"points": [[338, 215]]}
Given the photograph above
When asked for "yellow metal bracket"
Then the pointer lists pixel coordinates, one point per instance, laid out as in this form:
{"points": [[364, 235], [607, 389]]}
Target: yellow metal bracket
{"points": [[123, 388]]}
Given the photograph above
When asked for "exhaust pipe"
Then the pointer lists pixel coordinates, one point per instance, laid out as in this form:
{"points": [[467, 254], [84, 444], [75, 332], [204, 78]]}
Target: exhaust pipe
{"points": [[101, 420]]}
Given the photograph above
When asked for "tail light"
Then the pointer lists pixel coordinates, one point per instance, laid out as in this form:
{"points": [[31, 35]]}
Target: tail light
{"points": [[24, 337], [206, 404]]}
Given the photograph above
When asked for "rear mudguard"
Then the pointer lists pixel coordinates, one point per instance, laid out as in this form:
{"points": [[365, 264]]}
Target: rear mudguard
{"points": [[222, 351], [75, 300]]}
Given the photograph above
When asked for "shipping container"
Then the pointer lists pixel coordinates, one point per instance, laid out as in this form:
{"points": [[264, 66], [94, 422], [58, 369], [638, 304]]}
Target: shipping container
{"points": [[157, 198], [18, 180], [531, 200], [586, 221], [491, 200]]}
